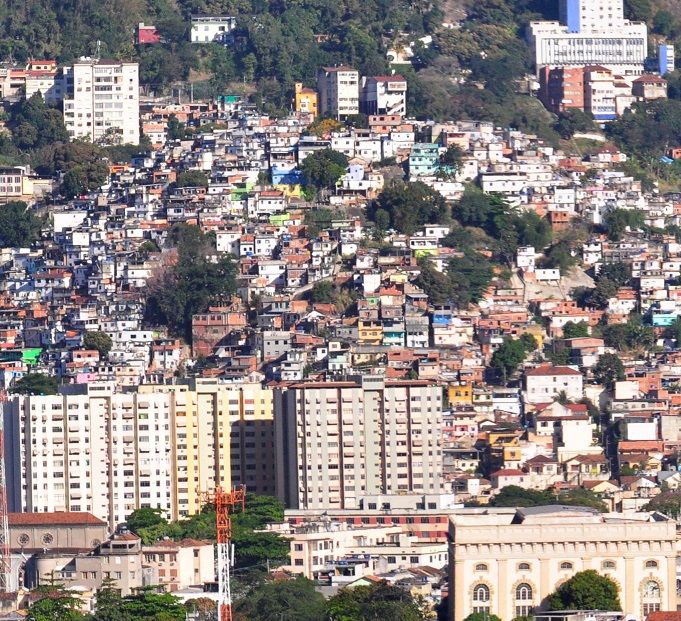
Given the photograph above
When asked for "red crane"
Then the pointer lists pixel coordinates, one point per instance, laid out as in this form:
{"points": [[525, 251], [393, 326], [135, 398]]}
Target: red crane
{"points": [[224, 502]]}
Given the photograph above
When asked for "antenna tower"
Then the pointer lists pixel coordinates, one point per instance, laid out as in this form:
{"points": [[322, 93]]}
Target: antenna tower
{"points": [[224, 502]]}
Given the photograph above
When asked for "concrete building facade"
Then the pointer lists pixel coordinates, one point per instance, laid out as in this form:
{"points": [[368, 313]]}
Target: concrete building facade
{"points": [[338, 89], [101, 98], [590, 32], [508, 562], [337, 442]]}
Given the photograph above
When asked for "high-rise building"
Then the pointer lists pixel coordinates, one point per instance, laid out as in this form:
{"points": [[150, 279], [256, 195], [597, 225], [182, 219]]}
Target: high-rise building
{"points": [[223, 436], [591, 32], [95, 450], [89, 449], [340, 441], [101, 101], [338, 89]]}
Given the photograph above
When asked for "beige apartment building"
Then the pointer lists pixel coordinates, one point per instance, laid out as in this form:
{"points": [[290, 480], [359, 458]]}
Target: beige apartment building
{"points": [[507, 562], [338, 89], [224, 436], [340, 441], [96, 450]]}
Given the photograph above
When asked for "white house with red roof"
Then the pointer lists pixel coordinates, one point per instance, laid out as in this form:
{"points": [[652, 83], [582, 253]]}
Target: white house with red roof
{"points": [[546, 382]]}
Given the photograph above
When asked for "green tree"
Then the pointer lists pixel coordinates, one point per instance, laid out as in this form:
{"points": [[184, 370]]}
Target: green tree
{"points": [[36, 384], [34, 125], [586, 590], [411, 205], [145, 517], [322, 292], [294, 600], [146, 605], [668, 503], [108, 603], [618, 220], [481, 616], [19, 225], [618, 273], [579, 497], [192, 179], [375, 601], [451, 161], [179, 291], [608, 370], [516, 496], [559, 256], [511, 354], [575, 121], [174, 128], [100, 341], [55, 603], [572, 330], [324, 168]]}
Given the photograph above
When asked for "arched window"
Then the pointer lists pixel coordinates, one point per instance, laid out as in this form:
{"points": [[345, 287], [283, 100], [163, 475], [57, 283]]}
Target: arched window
{"points": [[481, 567], [651, 590], [523, 567], [523, 600], [651, 564], [481, 599], [608, 565], [523, 591], [566, 565], [651, 597]]}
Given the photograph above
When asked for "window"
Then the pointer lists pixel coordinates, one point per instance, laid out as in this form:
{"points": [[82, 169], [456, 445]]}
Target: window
{"points": [[524, 567], [608, 565], [566, 565], [523, 592], [481, 567], [299, 561], [481, 599], [651, 564], [651, 590], [651, 597]]}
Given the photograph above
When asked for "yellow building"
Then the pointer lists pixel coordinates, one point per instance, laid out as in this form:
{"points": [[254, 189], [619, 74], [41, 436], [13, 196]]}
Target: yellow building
{"points": [[224, 436], [460, 393], [306, 99]]}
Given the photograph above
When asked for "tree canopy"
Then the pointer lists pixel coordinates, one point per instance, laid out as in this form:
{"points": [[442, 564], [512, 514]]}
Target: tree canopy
{"points": [[324, 168], [100, 341], [19, 225], [586, 590], [411, 205], [189, 285], [375, 601], [36, 384]]}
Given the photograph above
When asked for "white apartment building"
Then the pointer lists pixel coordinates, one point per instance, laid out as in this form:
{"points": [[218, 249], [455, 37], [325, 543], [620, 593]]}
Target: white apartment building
{"points": [[49, 84], [212, 28], [590, 32], [101, 96], [338, 89], [384, 95], [339, 441], [89, 449]]}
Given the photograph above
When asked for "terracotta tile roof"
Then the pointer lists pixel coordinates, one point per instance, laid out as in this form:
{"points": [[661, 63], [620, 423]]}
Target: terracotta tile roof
{"points": [[508, 472], [60, 518], [549, 370], [663, 615]]}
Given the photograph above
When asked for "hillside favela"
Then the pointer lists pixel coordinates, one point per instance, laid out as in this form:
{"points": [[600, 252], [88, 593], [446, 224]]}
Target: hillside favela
{"points": [[327, 310]]}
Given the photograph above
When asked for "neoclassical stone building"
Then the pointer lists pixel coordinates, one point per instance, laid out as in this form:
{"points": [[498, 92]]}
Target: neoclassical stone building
{"points": [[506, 562]]}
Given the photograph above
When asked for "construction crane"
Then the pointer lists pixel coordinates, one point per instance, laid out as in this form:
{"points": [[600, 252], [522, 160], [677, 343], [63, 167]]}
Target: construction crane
{"points": [[5, 558], [224, 502]]}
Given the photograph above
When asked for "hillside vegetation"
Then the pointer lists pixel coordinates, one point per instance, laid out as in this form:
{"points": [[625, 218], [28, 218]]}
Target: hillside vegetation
{"points": [[466, 72]]}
